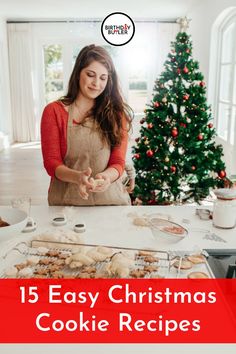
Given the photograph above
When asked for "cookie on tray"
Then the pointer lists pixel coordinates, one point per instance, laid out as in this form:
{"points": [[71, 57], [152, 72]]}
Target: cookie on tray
{"points": [[151, 259], [137, 273], [196, 258], [150, 268], [184, 264], [197, 275]]}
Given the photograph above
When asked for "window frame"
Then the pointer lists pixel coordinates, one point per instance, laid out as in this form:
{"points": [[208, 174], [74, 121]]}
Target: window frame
{"points": [[229, 20]]}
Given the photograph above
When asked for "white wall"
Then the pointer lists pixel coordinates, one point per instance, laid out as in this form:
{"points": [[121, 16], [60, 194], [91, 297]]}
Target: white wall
{"points": [[202, 18], [92, 8]]}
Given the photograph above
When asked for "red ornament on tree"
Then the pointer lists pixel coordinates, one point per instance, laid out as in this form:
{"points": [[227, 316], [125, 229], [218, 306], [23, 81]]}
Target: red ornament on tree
{"points": [[150, 125], [173, 169], [185, 97], [156, 104], [183, 125], [136, 156], [187, 50], [142, 120], [185, 70], [137, 140], [178, 71], [200, 137], [222, 174], [202, 83], [174, 132], [193, 168], [210, 125], [149, 153]]}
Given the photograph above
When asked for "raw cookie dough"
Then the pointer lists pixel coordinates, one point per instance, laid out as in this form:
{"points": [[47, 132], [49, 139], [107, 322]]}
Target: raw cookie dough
{"points": [[141, 221]]}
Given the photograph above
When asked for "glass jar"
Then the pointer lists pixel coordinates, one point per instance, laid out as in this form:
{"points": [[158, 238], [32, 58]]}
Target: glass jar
{"points": [[224, 211]]}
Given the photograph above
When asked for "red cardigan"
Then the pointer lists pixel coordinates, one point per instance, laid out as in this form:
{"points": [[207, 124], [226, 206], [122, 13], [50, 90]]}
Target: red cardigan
{"points": [[54, 140]]}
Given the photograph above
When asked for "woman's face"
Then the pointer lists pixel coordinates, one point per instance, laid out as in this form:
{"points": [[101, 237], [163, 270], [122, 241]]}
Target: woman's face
{"points": [[93, 80]]}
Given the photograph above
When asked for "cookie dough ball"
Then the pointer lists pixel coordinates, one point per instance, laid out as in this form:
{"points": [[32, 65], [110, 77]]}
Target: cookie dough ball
{"points": [[141, 222], [98, 182], [122, 260], [75, 264], [82, 258], [96, 256], [122, 272], [105, 250]]}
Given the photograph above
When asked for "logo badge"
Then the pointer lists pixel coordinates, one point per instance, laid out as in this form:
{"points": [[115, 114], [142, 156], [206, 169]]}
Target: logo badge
{"points": [[118, 29]]}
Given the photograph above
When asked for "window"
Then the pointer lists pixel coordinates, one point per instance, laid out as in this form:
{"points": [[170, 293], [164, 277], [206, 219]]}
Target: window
{"points": [[137, 64], [52, 49], [226, 102], [53, 72], [222, 84]]}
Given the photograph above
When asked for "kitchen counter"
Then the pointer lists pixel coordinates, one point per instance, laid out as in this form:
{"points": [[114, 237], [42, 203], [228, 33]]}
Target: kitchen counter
{"points": [[113, 226]]}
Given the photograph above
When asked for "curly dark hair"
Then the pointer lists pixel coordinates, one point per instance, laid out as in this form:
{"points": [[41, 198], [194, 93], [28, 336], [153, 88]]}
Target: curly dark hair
{"points": [[110, 108]]}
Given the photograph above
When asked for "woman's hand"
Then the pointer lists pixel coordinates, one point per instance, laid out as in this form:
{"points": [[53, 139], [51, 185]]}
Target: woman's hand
{"points": [[81, 178], [100, 187], [131, 185], [84, 183]]}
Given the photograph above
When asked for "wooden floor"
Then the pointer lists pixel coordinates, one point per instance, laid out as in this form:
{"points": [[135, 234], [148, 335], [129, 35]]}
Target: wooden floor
{"points": [[22, 174]]}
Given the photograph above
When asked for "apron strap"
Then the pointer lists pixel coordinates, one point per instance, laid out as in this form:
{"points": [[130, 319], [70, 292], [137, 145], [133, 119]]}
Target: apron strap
{"points": [[70, 119]]}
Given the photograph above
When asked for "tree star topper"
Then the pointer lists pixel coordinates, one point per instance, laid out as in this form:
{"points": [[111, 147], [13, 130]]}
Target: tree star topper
{"points": [[184, 23]]}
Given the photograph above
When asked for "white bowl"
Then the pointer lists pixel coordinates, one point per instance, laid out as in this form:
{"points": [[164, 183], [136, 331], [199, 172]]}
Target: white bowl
{"points": [[167, 231], [17, 220]]}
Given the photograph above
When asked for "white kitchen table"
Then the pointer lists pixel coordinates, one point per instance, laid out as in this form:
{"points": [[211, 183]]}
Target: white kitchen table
{"points": [[113, 226]]}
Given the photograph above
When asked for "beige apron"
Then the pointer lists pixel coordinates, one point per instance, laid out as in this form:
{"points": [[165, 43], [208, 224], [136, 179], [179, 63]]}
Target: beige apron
{"points": [[85, 148]]}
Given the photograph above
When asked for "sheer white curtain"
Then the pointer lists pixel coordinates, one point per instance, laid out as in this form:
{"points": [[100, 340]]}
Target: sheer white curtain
{"points": [[21, 82]]}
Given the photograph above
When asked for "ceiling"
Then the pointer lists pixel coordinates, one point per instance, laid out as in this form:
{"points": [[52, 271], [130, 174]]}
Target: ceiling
{"points": [[60, 9]]}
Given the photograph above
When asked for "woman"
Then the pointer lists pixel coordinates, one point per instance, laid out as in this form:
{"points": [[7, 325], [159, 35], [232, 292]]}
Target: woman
{"points": [[84, 135]]}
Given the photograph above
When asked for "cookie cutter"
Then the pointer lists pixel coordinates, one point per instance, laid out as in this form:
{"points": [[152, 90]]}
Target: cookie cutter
{"points": [[80, 228], [59, 220]]}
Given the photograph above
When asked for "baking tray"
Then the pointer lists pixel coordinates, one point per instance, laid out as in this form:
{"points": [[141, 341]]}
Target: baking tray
{"points": [[47, 259]]}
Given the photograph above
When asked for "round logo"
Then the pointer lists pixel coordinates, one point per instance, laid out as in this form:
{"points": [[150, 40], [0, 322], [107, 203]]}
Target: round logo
{"points": [[118, 28]]}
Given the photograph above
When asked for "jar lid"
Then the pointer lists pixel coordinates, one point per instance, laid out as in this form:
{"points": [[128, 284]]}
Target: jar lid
{"points": [[225, 193]]}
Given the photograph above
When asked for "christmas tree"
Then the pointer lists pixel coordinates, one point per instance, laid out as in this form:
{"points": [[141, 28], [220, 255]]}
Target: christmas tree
{"points": [[175, 157]]}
